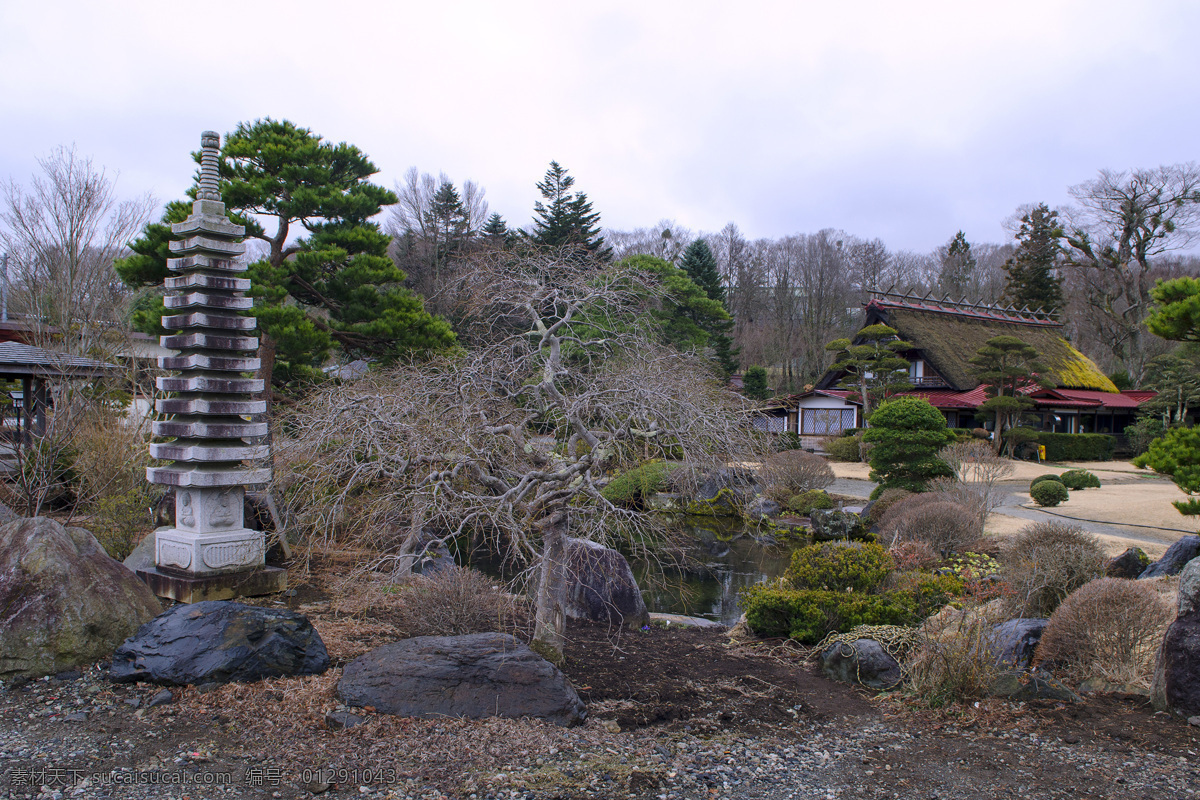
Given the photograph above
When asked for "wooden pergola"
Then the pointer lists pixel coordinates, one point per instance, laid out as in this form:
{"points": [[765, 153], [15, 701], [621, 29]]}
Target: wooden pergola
{"points": [[37, 368]]}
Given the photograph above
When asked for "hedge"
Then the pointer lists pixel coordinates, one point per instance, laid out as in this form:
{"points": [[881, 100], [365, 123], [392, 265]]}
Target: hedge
{"points": [[1077, 446], [809, 616]]}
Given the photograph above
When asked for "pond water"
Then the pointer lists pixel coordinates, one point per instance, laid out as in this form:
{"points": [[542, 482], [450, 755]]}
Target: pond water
{"points": [[716, 559]]}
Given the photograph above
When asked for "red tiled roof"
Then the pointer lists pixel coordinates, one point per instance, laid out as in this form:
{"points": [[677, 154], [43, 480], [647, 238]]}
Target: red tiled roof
{"points": [[946, 398]]}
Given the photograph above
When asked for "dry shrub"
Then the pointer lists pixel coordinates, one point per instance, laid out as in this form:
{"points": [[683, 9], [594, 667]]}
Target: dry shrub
{"points": [[913, 555], [943, 525], [1047, 561], [793, 472], [954, 661], [886, 500], [454, 602], [1109, 629]]}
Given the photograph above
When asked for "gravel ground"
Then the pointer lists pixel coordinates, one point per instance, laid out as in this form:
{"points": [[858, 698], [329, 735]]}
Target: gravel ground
{"points": [[84, 737]]}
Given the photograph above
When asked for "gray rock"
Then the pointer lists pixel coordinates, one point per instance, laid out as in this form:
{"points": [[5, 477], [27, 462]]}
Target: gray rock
{"points": [[337, 720], [7, 515], [1176, 557], [601, 586], [76, 716], [1130, 564], [1189, 587], [142, 556], [165, 697], [865, 662], [761, 507], [220, 641], [726, 490], [1014, 641], [1018, 685], [475, 676], [433, 560], [63, 600], [831, 525], [1176, 686]]}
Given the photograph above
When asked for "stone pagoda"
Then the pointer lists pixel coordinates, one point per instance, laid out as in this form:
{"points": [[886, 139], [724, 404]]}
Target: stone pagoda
{"points": [[209, 554]]}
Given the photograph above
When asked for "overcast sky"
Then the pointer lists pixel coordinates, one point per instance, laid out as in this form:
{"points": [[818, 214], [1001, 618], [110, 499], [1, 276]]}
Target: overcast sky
{"points": [[902, 120]]}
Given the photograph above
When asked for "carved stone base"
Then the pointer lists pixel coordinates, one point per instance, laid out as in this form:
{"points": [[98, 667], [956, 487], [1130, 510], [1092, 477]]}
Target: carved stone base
{"points": [[191, 589], [202, 554]]}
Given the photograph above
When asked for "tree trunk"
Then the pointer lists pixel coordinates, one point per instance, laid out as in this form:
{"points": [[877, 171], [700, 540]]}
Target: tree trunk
{"points": [[549, 627]]}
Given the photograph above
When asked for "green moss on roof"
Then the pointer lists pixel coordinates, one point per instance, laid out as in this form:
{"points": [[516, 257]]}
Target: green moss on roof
{"points": [[948, 341]]}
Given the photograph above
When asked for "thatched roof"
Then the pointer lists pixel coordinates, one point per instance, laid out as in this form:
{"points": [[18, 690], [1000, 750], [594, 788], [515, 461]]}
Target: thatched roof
{"points": [[946, 337]]}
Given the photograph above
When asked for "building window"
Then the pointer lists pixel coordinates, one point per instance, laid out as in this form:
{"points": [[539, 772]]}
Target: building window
{"points": [[825, 421]]}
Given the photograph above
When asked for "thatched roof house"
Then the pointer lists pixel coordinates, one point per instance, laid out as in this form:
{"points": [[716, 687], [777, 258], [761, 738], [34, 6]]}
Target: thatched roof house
{"points": [[945, 335]]}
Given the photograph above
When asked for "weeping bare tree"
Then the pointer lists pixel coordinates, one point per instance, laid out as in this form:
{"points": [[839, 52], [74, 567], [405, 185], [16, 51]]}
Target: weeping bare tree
{"points": [[511, 441]]}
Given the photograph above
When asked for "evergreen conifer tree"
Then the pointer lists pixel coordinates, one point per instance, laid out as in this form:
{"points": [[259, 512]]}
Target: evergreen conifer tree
{"points": [[701, 266], [754, 383], [334, 286], [495, 231], [1031, 281], [874, 368], [1006, 365], [566, 219], [958, 266]]}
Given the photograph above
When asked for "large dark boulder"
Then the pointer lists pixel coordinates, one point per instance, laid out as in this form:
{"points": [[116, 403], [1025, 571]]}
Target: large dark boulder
{"points": [[864, 662], [832, 525], [1176, 686], [1014, 641], [480, 675], [1173, 561], [1129, 565], [601, 587], [63, 600], [218, 641], [1018, 685]]}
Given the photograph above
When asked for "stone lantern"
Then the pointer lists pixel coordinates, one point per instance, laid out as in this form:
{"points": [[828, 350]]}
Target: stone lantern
{"points": [[210, 554]]}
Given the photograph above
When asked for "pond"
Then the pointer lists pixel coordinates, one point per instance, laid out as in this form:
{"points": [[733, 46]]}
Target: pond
{"points": [[718, 557]]}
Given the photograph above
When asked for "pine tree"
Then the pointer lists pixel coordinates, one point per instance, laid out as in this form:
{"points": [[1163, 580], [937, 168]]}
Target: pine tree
{"points": [[874, 368], [754, 383], [566, 219], [958, 266], [333, 286], [1031, 281], [495, 231], [1006, 366], [701, 266]]}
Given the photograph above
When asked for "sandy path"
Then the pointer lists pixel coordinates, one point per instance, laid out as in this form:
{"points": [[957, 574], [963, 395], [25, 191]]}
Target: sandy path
{"points": [[1131, 509]]}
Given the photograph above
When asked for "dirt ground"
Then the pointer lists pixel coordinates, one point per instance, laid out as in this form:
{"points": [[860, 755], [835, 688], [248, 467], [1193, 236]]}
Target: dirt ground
{"points": [[674, 712]]}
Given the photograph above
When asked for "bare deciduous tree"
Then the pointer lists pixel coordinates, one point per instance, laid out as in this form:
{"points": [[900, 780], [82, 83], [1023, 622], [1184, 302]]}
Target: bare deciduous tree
{"points": [[511, 441], [1123, 223], [62, 232]]}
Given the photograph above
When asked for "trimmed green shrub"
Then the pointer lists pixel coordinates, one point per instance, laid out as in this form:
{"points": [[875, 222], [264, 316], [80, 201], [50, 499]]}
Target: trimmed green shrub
{"points": [[1075, 479], [839, 567], [907, 433], [1050, 476], [788, 440], [1049, 493], [805, 502], [844, 448], [809, 616], [1077, 446], [930, 593], [629, 489]]}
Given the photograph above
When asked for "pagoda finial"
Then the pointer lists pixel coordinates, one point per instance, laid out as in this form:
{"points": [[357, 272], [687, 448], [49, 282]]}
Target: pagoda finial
{"points": [[210, 179]]}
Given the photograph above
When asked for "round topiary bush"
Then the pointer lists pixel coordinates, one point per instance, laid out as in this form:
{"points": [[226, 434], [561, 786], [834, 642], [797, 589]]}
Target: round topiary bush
{"points": [[907, 434], [1049, 493], [1050, 476], [839, 567], [1110, 629], [844, 448], [1076, 479], [1047, 561], [805, 502]]}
